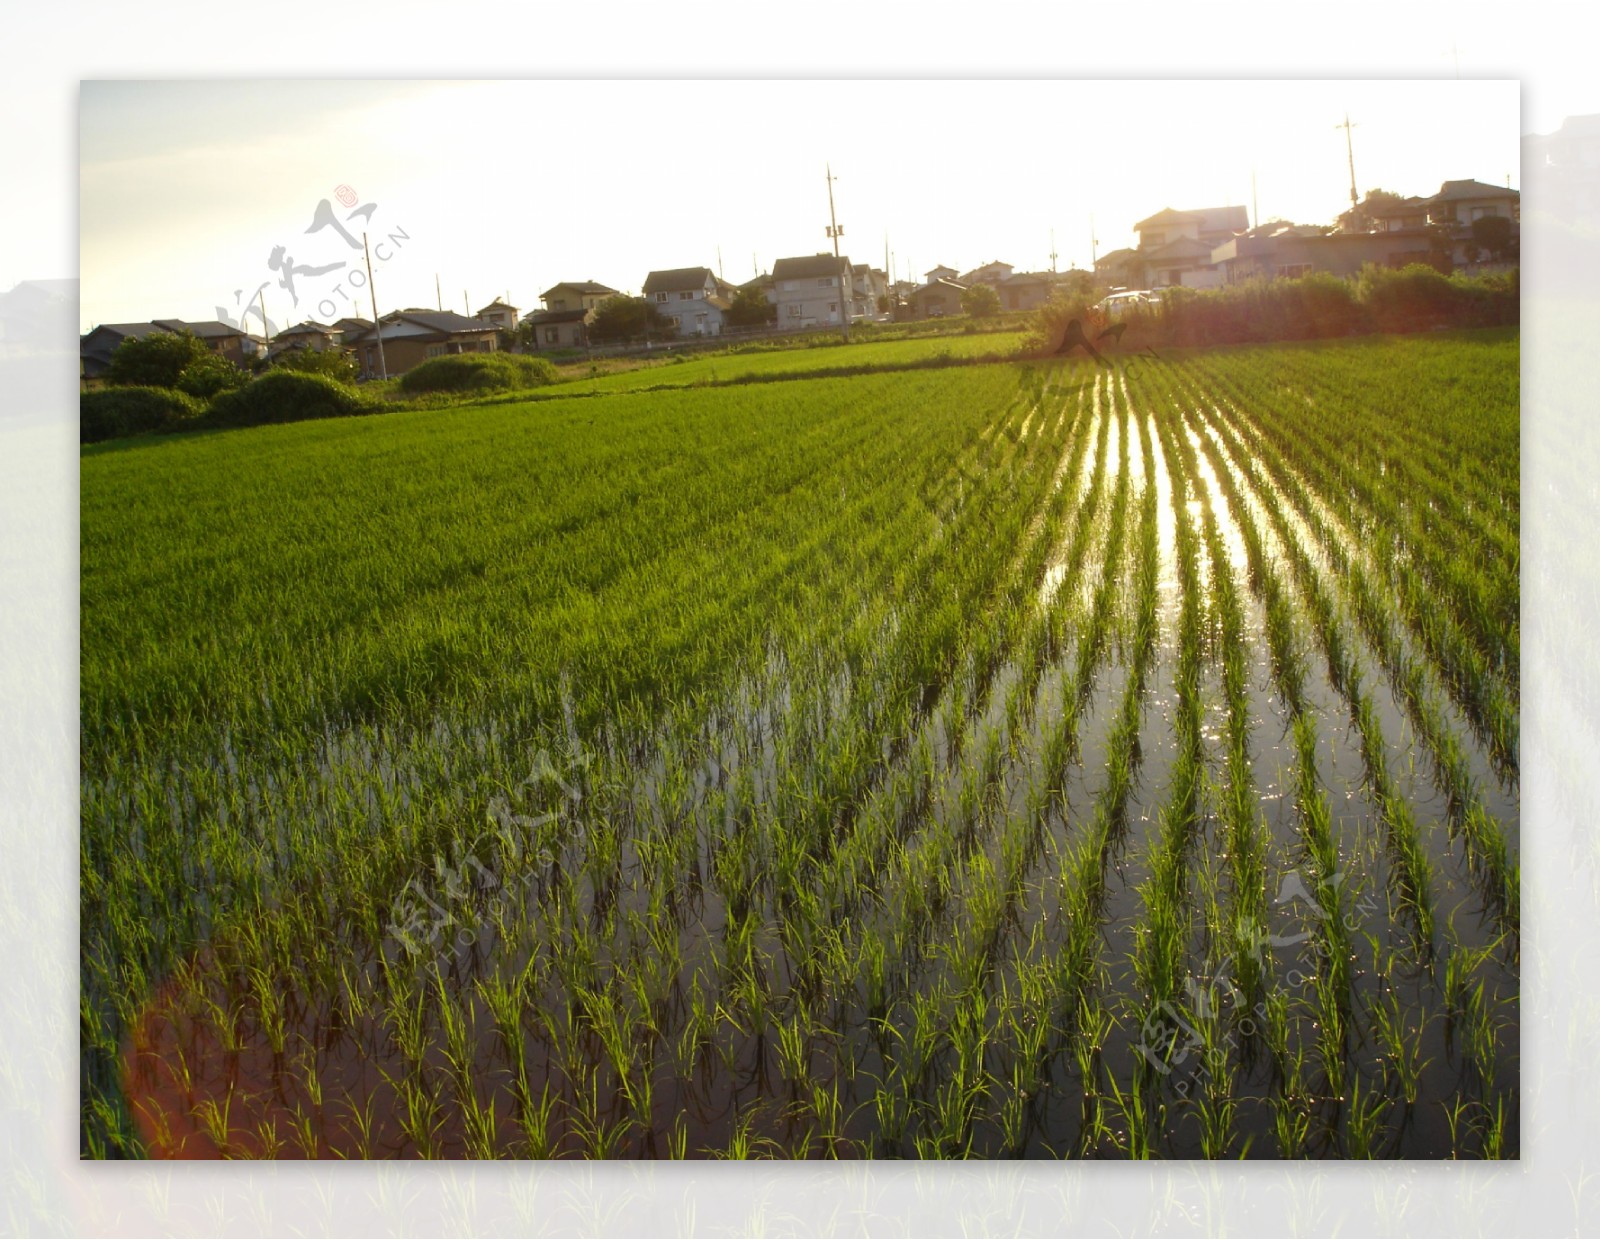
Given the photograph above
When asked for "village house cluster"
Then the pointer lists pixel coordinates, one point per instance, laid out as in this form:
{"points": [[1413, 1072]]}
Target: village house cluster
{"points": [[1205, 248]]}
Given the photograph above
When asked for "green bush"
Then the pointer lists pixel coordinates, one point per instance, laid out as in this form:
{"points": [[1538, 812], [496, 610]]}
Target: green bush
{"points": [[284, 396], [1413, 298], [333, 363], [158, 360], [209, 376], [479, 372], [111, 413]]}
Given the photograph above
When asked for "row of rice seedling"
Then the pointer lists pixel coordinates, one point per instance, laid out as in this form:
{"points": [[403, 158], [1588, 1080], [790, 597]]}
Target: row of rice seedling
{"points": [[1471, 657], [1345, 673], [1436, 548], [1485, 839]]}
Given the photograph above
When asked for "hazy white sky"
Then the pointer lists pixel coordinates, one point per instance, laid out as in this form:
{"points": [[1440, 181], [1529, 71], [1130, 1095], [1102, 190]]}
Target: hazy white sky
{"points": [[186, 188]]}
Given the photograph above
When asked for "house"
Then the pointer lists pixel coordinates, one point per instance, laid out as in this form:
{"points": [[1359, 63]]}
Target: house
{"points": [[568, 311], [499, 315], [348, 329], [1175, 246], [869, 290], [939, 273], [1402, 216], [1445, 218], [95, 348], [1292, 252], [937, 299], [1120, 269], [576, 295], [1462, 202], [693, 297], [993, 274], [808, 291], [1026, 290], [411, 337], [559, 329], [319, 337], [40, 312]]}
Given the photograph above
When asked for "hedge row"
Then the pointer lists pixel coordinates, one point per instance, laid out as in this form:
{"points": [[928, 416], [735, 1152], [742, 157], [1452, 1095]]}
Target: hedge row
{"points": [[1312, 307], [284, 395]]}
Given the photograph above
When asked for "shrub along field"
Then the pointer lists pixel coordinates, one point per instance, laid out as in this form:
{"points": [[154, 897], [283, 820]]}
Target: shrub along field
{"points": [[1012, 759]]}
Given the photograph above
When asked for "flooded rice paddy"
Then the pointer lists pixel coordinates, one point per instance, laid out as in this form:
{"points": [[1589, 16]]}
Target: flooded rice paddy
{"points": [[1129, 808]]}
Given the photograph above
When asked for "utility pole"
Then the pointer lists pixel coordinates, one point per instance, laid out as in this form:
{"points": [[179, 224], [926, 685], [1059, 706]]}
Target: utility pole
{"points": [[1052, 251], [1350, 150], [719, 262], [835, 231], [1255, 213], [437, 295], [266, 334], [377, 327], [1094, 245]]}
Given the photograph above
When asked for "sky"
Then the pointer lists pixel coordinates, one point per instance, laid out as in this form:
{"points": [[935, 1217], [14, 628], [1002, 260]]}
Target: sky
{"points": [[485, 189]]}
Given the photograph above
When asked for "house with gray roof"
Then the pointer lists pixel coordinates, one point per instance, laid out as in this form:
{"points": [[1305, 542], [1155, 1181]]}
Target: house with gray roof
{"points": [[692, 297], [569, 309], [411, 337], [810, 290]]}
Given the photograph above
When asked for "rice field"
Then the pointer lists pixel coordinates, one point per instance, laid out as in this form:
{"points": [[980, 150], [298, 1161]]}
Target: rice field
{"points": [[1008, 760], [687, 369]]}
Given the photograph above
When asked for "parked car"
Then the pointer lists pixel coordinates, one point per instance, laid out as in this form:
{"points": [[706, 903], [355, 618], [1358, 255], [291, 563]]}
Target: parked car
{"points": [[1116, 304]]}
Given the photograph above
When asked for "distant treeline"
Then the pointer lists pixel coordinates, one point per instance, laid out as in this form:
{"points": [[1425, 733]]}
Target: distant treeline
{"points": [[1312, 307]]}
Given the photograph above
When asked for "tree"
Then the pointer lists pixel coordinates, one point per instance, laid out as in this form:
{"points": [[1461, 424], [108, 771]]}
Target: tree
{"points": [[980, 301], [1492, 234], [334, 363], [622, 318], [158, 360], [752, 309]]}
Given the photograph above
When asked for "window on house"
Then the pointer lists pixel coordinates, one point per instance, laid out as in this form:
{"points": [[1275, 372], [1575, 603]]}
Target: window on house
{"points": [[661, 297], [833, 307], [825, 282], [560, 303], [1479, 213], [435, 350], [794, 312], [1293, 271], [552, 335], [685, 296]]}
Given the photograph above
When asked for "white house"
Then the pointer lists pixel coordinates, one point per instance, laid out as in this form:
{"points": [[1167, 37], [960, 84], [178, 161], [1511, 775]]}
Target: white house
{"points": [[693, 296], [809, 290], [870, 287]]}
